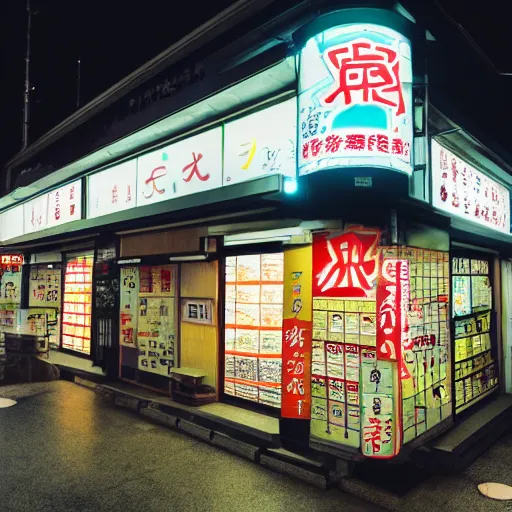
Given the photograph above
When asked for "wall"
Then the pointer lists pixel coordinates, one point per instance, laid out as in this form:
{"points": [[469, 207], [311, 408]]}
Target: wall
{"points": [[199, 343], [155, 243]]}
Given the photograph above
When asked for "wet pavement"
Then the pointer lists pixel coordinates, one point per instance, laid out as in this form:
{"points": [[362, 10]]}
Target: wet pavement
{"points": [[64, 449]]}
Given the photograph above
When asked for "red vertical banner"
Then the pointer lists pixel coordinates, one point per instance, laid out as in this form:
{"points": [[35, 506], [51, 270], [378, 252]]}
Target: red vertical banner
{"points": [[389, 311], [297, 334], [296, 401]]}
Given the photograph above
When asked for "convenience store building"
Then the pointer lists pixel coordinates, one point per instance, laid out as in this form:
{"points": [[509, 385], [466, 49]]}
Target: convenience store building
{"points": [[307, 228]]}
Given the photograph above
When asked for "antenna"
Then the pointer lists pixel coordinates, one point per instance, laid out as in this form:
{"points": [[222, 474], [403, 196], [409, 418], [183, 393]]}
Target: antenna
{"points": [[26, 94], [78, 79]]}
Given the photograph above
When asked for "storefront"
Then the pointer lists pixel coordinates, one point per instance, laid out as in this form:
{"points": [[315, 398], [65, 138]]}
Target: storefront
{"points": [[360, 302]]}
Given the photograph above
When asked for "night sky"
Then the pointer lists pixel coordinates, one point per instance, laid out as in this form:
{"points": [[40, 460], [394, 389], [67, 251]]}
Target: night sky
{"points": [[113, 37]]}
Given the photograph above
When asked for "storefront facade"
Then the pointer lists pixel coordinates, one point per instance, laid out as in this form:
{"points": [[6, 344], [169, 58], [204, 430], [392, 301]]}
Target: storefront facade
{"points": [[320, 256]]}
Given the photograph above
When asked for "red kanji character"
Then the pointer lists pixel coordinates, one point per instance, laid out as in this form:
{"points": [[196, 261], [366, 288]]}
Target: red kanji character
{"points": [[129, 194], [333, 143], [114, 195], [72, 193], [352, 266], [195, 169], [454, 170], [305, 150], [316, 146], [397, 147], [355, 141], [372, 140], [156, 173], [372, 434], [383, 143], [294, 336], [367, 67]]}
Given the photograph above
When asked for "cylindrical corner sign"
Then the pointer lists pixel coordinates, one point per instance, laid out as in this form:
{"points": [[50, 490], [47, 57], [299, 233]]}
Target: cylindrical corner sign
{"points": [[355, 99]]}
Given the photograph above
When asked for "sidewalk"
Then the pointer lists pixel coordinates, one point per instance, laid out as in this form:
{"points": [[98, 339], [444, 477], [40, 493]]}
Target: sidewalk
{"points": [[256, 437]]}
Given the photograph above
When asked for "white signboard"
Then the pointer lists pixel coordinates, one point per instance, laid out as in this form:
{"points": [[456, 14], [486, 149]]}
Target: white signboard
{"points": [[355, 100], [58, 207], [462, 190], [11, 223], [186, 167], [261, 144], [65, 204], [112, 190]]}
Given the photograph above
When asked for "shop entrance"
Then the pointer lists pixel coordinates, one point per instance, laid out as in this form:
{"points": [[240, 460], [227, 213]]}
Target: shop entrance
{"points": [[148, 325], [253, 329], [474, 328]]}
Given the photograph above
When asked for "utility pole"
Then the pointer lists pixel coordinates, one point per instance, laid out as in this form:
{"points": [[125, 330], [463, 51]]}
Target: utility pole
{"points": [[78, 78], [26, 95]]}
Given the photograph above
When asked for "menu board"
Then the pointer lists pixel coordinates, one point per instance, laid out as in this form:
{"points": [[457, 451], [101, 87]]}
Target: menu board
{"points": [[156, 316], [475, 368], [77, 304], [425, 373], [343, 332], [253, 336], [44, 288]]}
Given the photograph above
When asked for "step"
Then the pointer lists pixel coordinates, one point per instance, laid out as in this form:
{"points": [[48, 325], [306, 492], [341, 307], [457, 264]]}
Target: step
{"points": [[475, 434], [247, 426]]}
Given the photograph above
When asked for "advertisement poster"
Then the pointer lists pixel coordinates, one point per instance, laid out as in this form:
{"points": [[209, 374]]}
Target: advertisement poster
{"points": [[10, 288], [156, 334], [253, 336], [129, 298], [45, 287]]}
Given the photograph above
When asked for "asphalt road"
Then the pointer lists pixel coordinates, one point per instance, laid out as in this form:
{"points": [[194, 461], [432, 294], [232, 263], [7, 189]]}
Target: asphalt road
{"points": [[64, 449]]}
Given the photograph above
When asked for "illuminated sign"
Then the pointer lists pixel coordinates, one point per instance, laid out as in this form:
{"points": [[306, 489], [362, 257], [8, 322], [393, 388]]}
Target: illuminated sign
{"points": [[186, 167], [463, 191], [261, 144], [112, 190], [58, 207], [11, 223], [355, 100]]}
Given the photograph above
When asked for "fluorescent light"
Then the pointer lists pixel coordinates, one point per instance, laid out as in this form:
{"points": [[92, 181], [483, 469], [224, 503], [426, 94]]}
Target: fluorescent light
{"points": [[129, 262], [245, 241], [191, 257]]}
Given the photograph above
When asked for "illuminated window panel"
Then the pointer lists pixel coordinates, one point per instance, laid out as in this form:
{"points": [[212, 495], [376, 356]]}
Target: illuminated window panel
{"points": [[476, 373], [77, 305], [253, 335]]}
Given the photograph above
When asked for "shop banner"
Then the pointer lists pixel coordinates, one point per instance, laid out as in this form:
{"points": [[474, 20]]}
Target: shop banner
{"points": [[392, 297], [355, 100], [297, 334]]}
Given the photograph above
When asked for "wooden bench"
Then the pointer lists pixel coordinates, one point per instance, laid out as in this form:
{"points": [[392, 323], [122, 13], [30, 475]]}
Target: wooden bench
{"points": [[187, 387]]}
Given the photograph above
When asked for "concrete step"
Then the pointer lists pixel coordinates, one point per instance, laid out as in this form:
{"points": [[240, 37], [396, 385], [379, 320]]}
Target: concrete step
{"points": [[474, 435]]}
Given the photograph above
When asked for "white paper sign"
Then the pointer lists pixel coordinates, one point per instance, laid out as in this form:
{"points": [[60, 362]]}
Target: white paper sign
{"points": [[261, 144], [462, 190], [65, 204], [186, 167], [58, 207], [112, 190]]}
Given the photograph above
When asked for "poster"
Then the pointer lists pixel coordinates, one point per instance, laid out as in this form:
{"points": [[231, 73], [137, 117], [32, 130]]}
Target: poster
{"points": [[10, 288], [253, 321], [44, 288], [197, 311], [156, 334], [129, 305], [158, 280]]}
